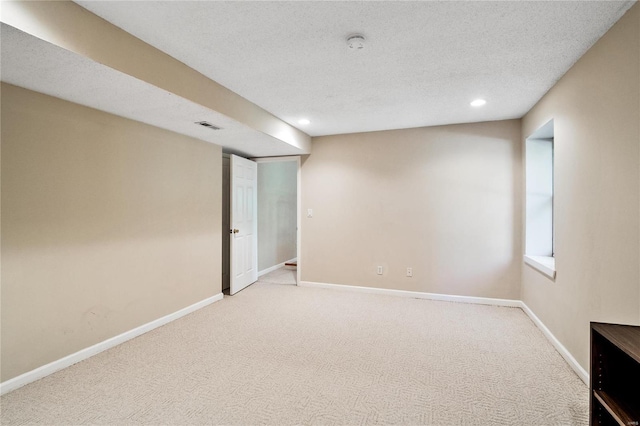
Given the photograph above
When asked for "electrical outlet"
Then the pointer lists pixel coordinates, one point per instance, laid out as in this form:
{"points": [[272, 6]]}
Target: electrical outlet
{"points": [[379, 270], [409, 272]]}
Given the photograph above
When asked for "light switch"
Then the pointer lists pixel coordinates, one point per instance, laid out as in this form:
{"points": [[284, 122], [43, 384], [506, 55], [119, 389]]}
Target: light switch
{"points": [[309, 212]]}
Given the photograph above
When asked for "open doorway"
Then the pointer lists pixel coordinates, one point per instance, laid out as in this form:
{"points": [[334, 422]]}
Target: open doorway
{"points": [[278, 219], [278, 213]]}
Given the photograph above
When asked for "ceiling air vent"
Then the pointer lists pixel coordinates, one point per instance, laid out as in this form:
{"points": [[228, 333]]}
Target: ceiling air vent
{"points": [[208, 125]]}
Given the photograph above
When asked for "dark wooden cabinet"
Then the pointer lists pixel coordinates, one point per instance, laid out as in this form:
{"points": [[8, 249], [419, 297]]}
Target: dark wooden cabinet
{"points": [[615, 375]]}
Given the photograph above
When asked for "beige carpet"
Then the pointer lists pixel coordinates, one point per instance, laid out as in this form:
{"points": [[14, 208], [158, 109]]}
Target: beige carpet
{"points": [[280, 354], [286, 275]]}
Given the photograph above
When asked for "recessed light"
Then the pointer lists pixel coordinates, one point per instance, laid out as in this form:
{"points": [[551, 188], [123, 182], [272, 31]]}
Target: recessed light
{"points": [[304, 121], [478, 103]]}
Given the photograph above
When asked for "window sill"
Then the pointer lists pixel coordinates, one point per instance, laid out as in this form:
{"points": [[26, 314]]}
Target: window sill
{"points": [[544, 264]]}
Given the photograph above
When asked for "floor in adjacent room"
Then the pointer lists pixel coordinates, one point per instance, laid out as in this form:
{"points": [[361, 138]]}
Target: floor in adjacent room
{"points": [[285, 275], [282, 354]]}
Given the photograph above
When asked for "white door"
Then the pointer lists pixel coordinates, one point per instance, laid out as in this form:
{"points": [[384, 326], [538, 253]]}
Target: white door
{"points": [[244, 223]]}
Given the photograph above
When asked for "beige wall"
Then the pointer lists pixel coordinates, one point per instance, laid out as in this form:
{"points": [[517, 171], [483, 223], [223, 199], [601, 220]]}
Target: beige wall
{"points": [[107, 224], [277, 208], [445, 201], [596, 111]]}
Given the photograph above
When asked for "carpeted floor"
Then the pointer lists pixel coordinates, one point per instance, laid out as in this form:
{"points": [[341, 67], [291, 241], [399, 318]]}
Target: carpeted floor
{"points": [[286, 275], [281, 354]]}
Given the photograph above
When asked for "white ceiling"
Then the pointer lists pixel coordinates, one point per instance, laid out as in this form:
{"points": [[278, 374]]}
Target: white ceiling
{"points": [[34, 64], [423, 61], [422, 65]]}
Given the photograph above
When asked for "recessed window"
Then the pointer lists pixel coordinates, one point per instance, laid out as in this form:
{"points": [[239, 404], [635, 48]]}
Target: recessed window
{"points": [[539, 242]]}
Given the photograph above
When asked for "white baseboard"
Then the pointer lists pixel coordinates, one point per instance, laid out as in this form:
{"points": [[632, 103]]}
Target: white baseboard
{"points": [[417, 294], [274, 267], [52, 367], [581, 372]]}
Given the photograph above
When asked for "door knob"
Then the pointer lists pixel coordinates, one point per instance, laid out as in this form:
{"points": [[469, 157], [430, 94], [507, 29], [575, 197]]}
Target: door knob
{"points": [[234, 231]]}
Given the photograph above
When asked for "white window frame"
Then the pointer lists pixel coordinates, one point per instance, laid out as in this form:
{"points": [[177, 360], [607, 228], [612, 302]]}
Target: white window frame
{"points": [[539, 195]]}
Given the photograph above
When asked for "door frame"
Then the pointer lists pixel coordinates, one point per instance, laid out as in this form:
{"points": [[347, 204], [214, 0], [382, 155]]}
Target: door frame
{"points": [[298, 161], [226, 221]]}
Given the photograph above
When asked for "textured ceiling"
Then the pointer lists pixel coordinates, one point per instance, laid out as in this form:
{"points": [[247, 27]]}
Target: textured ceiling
{"points": [[422, 65], [40, 66]]}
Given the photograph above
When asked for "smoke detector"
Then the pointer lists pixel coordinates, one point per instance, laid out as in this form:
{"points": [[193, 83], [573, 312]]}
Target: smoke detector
{"points": [[355, 42]]}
